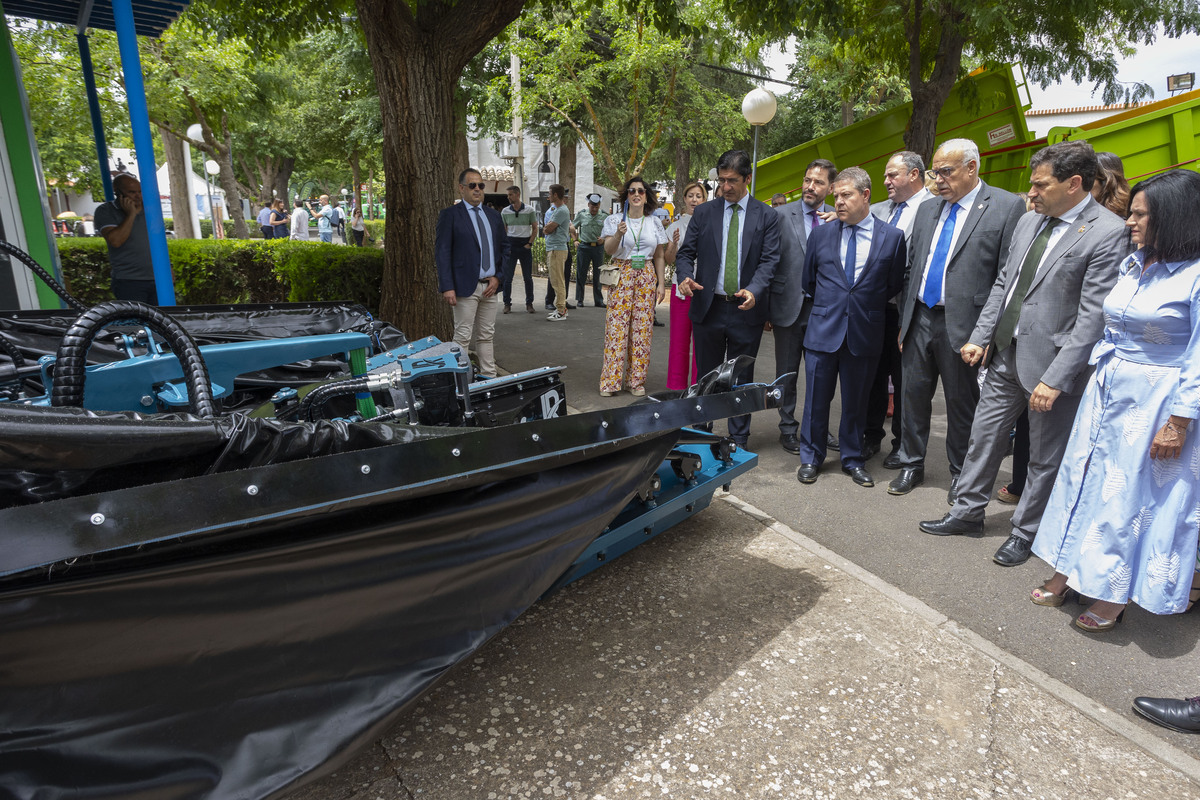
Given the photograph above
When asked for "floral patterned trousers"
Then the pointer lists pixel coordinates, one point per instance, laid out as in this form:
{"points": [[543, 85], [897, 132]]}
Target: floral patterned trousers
{"points": [[628, 327]]}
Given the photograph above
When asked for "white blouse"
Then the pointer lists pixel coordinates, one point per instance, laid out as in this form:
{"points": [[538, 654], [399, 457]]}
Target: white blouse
{"points": [[647, 232]]}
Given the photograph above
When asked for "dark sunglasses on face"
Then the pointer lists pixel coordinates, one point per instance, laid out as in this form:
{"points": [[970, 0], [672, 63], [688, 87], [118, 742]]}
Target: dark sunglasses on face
{"points": [[474, 185], [636, 190]]}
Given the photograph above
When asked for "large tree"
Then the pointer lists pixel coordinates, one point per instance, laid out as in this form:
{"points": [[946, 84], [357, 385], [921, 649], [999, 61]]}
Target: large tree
{"points": [[926, 40]]}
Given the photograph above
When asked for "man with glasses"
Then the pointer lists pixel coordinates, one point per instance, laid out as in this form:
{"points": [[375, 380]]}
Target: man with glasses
{"points": [[470, 250], [904, 178], [726, 262], [122, 223], [958, 243]]}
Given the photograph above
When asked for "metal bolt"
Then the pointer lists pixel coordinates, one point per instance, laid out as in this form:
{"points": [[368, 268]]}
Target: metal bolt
{"points": [[698, 408], [147, 400], [537, 438], [656, 415], [604, 424], [252, 490], [97, 519], [775, 394], [737, 400], [456, 452], [366, 469]]}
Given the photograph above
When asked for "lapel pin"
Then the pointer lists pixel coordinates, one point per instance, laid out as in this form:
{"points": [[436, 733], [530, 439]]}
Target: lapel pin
{"points": [[980, 206], [1082, 228]]}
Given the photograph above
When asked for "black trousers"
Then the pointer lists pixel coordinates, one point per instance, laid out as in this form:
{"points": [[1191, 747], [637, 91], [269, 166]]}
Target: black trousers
{"points": [[518, 252], [591, 259], [141, 291], [724, 334], [889, 367]]}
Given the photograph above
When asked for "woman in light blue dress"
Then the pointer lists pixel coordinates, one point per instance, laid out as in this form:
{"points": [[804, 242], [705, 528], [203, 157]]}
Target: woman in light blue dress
{"points": [[1122, 521]]}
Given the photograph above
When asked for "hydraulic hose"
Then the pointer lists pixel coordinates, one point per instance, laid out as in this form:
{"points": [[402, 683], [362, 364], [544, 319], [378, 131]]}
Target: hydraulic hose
{"points": [[321, 395], [70, 365], [24, 258]]}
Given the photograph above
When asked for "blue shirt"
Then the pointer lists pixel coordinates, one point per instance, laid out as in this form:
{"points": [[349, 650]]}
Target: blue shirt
{"points": [[862, 244]]}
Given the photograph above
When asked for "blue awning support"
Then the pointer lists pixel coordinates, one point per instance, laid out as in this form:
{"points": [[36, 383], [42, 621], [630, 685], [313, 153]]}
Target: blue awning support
{"points": [[143, 143], [89, 80]]}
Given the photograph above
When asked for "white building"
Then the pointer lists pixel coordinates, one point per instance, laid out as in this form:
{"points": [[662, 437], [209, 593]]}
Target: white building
{"points": [[1040, 121]]}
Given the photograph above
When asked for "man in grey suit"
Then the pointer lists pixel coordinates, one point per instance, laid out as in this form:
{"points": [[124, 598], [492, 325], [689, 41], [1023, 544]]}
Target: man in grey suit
{"points": [[790, 306], [1037, 330], [959, 243], [904, 177]]}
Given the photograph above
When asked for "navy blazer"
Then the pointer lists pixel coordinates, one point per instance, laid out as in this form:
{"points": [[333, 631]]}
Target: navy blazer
{"points": [[456, 249], [699, 256], [851, 314]]}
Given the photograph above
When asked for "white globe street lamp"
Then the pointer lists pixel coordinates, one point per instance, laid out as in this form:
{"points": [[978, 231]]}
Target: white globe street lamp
{"points": [[758, 107], [212, 168]]}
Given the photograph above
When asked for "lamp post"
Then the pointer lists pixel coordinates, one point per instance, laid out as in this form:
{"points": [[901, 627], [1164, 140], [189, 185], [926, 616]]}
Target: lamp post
{"points": [[758, 107], [212, 168]]}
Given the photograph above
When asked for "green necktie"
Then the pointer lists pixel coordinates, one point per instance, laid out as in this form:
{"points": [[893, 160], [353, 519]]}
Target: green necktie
{"points": [[1029, 267], [731, 254]]}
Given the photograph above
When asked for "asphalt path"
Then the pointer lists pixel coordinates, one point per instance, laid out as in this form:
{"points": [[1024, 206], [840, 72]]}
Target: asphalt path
{"points": [[1145, 655]]}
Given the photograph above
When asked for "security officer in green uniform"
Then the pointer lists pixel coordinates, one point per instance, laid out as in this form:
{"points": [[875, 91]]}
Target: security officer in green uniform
{"points": [[588, 225]]}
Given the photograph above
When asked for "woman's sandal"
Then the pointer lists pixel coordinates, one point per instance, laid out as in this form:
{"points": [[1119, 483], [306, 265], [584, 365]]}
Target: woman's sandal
{"points": [[1044, 597], [1091, 622]]}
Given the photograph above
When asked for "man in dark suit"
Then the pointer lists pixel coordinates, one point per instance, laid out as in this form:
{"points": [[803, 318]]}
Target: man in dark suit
{"points": [[726, 264], [470, 250], [959, 242], [904, 177], [1039, 325], [790, 306], [850, 271]]}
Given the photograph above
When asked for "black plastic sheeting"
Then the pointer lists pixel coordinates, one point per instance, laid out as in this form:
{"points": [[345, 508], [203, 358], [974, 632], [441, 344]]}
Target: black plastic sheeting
{"points": [[50, 453], [255, 662]]}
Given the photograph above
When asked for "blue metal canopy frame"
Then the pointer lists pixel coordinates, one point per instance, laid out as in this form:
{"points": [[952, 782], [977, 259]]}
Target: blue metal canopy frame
{"points": [[129, 19]]}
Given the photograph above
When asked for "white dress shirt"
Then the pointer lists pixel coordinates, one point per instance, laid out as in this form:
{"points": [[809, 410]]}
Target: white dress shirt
{"points": [[742, 205], [965, 203]]}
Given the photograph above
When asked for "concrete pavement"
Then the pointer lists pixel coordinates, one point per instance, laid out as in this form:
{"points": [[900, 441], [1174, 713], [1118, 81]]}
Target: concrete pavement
{"points": [[791, 641]]}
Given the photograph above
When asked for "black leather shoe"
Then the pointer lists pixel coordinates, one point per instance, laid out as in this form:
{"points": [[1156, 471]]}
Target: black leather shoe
{"points": [[870, 450], [951, 525], [1014, 551], [893, 460], [570, 306], [601, 305], [908, 479], [1178, 715], [859, 476], [952, 494], [790, 442], [807, 473], [831, 442]]}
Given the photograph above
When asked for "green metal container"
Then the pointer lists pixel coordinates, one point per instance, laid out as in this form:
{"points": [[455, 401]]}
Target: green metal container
{"points": [[987, 107]]}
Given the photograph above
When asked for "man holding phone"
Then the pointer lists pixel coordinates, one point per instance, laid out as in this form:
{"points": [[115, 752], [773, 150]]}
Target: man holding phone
{"points": [[123, 226]]}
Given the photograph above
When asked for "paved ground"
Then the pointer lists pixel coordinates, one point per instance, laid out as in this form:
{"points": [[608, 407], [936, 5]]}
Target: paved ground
{"points": [[792, 641]]}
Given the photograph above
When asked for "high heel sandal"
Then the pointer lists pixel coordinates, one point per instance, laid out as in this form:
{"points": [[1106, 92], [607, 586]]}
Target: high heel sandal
{"points": [[1044, 597], [1091, 622]]}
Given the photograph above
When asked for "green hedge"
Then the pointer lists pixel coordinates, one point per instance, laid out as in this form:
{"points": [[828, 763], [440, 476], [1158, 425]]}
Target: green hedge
{"points": [[239, 271]]}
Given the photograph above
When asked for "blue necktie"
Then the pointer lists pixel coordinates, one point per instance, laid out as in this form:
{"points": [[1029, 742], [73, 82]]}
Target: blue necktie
{"points": [[896, 212], [937, 267], [851, 255]]}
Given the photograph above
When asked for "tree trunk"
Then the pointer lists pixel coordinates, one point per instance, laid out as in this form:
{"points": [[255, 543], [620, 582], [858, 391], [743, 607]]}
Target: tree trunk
{"points": [[847, 113], [356, 173], [568, 157], [417, 62], [233, 198], [462, 143], [371, 193], [928, 96], [181, 209], [683, 169], [282, 178]]}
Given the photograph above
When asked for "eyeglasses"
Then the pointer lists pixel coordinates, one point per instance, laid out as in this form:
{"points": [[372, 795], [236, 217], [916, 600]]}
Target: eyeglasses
{"points": [[945, 172], [475, 185], [636, 190]]}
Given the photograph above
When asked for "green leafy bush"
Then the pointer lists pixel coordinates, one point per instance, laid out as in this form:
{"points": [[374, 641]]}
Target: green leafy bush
{"points": [[211, 271]]}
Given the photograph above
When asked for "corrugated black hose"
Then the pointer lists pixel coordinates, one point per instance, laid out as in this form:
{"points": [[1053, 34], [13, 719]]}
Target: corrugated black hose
{"points": [[58, 288], [69, 367]]}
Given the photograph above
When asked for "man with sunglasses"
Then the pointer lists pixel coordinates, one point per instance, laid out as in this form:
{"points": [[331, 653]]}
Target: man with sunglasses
{"points": [[470, 250], [959, 241], [122, 223]]}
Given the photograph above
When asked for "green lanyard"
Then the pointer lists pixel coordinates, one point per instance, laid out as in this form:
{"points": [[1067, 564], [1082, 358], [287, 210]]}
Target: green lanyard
{"points": [[637, 237]]}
